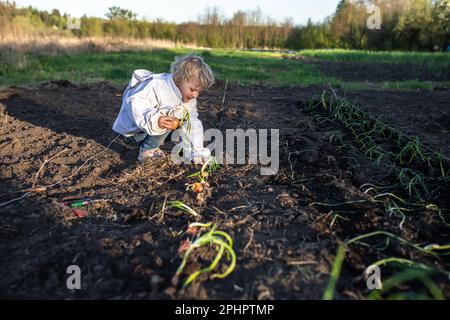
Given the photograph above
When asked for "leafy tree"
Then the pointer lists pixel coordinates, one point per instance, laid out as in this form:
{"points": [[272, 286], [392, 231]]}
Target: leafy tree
{"points": [[406, 25], [414, 25], [119, 13]]}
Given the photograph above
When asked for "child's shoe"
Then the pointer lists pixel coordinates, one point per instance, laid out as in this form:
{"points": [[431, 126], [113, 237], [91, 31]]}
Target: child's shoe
{"points": [[150, 154]]}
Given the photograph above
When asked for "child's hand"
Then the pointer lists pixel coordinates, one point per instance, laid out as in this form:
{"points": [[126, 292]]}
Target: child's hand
{"points": [[166, 122], [198, 161]]}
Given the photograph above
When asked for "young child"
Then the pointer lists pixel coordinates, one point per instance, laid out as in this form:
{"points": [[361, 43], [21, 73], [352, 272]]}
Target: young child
{"points": [[151, 102]]}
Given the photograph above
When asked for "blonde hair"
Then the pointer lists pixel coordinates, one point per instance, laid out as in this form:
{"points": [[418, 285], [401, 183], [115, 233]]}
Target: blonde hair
{"points": [[188, 66]]}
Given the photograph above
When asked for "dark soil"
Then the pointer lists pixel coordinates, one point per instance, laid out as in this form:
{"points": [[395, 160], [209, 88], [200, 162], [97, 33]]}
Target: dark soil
{"points": [[127, 247], [378, 71], [369, 71], [417, 113]]}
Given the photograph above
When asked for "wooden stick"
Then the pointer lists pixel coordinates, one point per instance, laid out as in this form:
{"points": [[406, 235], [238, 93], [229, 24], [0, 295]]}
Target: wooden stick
{"points": [[300, 263], [225, 92], [222, 111]]}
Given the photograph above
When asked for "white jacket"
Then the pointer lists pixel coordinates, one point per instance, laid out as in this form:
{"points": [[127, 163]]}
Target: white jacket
{"points": [[146, 98]]}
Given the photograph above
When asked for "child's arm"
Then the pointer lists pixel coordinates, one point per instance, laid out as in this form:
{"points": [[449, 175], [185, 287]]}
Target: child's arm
{"points": [[142, 109], [146, 115], [195, 135]]}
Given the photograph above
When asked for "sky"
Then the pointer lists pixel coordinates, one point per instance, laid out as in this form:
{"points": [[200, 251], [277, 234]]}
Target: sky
{"points": [[183, 10]]}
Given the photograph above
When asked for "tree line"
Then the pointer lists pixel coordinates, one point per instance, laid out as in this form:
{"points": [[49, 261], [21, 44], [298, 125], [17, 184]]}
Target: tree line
{"points": [[402, 25]]}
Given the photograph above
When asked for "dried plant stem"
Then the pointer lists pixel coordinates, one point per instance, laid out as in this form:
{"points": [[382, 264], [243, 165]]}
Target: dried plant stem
{"points": [[36, 177]]}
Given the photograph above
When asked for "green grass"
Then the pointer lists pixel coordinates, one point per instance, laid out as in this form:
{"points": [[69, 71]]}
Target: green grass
{"points": [[434, 61], [393, 85], [414, 85], [243, 67], [238, 66]]}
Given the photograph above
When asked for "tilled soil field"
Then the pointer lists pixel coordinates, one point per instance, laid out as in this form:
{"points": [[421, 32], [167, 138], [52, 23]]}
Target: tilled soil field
{"points": [[55, 146]]}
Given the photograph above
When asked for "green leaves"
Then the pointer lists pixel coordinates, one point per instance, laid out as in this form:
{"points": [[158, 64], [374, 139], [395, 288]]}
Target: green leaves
{"points": [[180, 205], [216, 240], [382, 143], [415, 271]]}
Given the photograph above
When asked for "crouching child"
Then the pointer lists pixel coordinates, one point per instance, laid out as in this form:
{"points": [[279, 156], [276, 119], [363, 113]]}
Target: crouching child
{"points": [[153, 105]]}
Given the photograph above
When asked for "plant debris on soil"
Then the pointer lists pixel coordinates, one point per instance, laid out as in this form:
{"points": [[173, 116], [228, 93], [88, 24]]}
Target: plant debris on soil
{"points": [[286, 228]]}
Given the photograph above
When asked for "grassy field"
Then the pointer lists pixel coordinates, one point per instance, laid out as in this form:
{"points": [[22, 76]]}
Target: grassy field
{"points": [[117, 67], [431, 60], [237, 66]]}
